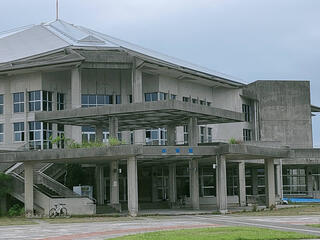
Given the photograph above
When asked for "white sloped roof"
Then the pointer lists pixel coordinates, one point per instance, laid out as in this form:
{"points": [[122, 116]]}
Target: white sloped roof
{"points": [[38, 39]]}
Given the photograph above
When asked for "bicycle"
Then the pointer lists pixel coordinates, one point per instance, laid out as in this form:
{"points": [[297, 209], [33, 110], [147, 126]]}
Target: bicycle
{"points": [[58, 210]]}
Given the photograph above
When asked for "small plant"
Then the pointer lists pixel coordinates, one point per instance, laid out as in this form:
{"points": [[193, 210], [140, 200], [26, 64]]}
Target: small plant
{"points": [[233, 141], [16, 210], [115, 142], [255, 208]]}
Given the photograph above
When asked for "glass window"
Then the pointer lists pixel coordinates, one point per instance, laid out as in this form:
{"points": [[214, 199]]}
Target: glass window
{"points": [[247, 112], [208, 104], [202, 134], [118, 99], [247, 134], [130, 98], [202, 102], [209, 134], [1, 104], [151, 97], [294, 181], [156, 136], [232, 180], [91, 100], [173, 96], [195, 100], [18, 129], [163, 96], [46, 101], [35, 101], [185, 134], [185, 99], [207, 182], [18, 102], [1, 133], [60, 101], [60, 133], [35, 137]]}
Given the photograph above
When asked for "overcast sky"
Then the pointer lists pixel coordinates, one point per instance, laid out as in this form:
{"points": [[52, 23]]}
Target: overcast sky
{"points": [[248, 39]]}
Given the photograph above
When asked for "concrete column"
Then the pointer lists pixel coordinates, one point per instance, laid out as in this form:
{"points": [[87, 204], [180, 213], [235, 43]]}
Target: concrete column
{"points": [[242, 184], [154, 185], [254, 182], [279, 181], [100, 185], [76, 133], [172, 184], [114, 182], [171, 135], [99, 133], [28, 189], [193, 134], [309, 181], [221, 184], [269, 182], [124, 86], [132, 177], [113, 127], [194, 183], [137, 92]]}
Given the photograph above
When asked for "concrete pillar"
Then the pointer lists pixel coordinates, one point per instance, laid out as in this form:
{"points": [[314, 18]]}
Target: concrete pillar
{"points": [[100, 185], [279, 181], [242, 184], [114, 182], [269, 182], [76, 133], [154, 185], [28, 189], [309, 181], [171, 135], [137, 92], [221, 184], [194, 183], [99, 133], [193, 134], [124, 86], [132, 177], [172, 184], [113, 127], [254, 182]]}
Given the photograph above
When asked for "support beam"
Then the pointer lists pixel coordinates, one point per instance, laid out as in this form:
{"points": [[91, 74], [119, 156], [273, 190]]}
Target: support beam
{"points": [[194, 184], [172, 184], [99, 133], [74, 131], [269, 182], [114, 182], [279, 181], [28, 189], [242, 184], [193, 131], [100, 185], [221, 184], [132, 177], [113, 127], [171, 135]]}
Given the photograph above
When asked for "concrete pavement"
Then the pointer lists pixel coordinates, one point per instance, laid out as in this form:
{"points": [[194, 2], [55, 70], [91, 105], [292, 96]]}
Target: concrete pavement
{"points": [[105, 230]]}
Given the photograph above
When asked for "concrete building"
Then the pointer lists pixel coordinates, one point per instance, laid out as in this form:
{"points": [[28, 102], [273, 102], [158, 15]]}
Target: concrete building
{"points": [[174, 121]]}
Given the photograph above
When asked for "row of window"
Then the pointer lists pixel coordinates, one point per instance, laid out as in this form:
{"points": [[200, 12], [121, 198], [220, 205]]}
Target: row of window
{"points": [[204, 137], [37, 101], [196, 101], [39, 134]]}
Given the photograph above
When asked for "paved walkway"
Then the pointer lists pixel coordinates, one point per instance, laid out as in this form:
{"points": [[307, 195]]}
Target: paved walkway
{"points": [[104, 230]]}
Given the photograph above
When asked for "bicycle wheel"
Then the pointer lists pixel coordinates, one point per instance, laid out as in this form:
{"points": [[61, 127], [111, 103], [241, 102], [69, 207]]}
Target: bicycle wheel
{"points": [[52, 213], [63, 212]]}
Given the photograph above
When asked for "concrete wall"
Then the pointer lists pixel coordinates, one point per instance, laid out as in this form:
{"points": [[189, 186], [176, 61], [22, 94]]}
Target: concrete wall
{"points": [[285, 112]]}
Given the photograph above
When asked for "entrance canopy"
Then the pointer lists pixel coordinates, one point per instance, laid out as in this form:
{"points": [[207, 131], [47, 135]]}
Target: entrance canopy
{"points": [[142, 115]]}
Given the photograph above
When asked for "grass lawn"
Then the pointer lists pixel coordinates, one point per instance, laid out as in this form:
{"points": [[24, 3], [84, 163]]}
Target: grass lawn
{"points": [[314, 225], [6, 221], [292, 211], [219, 233]]}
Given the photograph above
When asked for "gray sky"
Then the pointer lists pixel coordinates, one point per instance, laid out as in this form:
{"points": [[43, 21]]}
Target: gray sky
{"points": [[248, 39]]}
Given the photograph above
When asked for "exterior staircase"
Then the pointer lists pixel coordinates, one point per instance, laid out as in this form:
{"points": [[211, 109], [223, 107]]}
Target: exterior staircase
{"points": [[47, 191]]}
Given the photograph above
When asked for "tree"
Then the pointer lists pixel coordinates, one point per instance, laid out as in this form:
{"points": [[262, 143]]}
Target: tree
{"points": [[5, 185]]}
